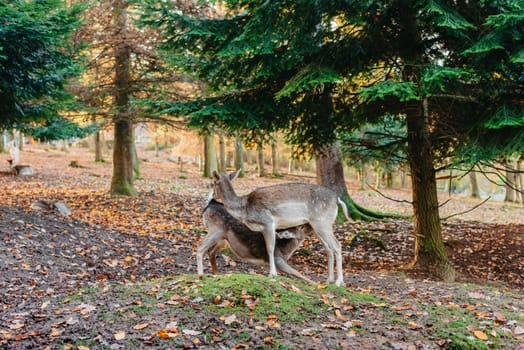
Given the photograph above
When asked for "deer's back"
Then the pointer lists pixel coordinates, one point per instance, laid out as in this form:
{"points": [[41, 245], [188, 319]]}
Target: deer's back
{"points": [[292, 198]]}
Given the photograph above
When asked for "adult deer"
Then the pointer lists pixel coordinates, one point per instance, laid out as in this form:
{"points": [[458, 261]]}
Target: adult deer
{"points": [[282, 206]]}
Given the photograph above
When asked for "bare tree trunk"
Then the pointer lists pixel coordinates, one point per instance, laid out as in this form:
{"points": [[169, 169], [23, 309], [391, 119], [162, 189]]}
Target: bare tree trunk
{"points": [[122, 180], [330, 172], [99, 157], [429, 252], [274, 156], [222, 152], [260, 160], [210, 155], [362, 174], [239, 156], [511, 183], [474, 185], [2, 141], [378, 176], [520, 178], [388, 179], [403, 178]]}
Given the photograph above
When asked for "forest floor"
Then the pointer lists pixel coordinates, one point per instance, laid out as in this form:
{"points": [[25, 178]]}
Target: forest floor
{"points": [[119, 272]]}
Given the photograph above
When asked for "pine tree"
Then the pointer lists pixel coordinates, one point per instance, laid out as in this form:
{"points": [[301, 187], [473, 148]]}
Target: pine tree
{"points": [[36, 61]]}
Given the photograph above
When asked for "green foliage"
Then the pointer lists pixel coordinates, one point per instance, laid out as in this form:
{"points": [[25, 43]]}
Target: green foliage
{"points": [[436, 78], [506, 116], [319, 69], [57, 128], [35, 59], [403, 91], [308, 79], [446, 16]]}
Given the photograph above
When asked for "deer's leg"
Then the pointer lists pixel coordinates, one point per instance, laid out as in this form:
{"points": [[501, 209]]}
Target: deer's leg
{"points": [[270, 238], [335, 247], [325, 235], [283, 266], [212, 254], [210, 244]]}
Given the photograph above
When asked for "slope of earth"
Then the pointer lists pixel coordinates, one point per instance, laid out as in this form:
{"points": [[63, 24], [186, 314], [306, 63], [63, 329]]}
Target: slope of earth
{"points": [[107, 239]]}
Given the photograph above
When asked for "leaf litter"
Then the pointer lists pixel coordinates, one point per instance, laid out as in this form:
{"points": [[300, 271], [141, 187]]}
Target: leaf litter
{"points": [[51, 263]]}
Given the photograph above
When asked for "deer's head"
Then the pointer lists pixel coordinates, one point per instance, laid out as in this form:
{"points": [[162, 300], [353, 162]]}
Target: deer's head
{"points": [[222, 186]]}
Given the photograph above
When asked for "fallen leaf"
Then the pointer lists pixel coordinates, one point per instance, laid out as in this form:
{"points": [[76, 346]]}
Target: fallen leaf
{"points": [[340, 316], [191, 332], [499, 317], [414, 325], [230, 319], [120, 335], [140, 326], [17, 326], [55, 332], [480, 335], [166, 335]]}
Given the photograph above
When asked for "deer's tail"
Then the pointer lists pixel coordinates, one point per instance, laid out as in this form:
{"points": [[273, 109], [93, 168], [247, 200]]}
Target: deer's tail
{"points": [[344, 209]]}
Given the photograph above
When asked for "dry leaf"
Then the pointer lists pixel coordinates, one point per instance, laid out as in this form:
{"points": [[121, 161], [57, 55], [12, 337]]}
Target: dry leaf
{"points": [[120, 335], [480, 335], [499, 317], [140, 326], [191, 332], [340, 316], [414, 325], [83, 347], [230, 319], [164, 334], [55, 332], [17, 326]]}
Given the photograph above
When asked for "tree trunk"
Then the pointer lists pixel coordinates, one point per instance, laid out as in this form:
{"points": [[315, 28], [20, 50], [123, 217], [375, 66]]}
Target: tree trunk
{"points": [[474, 185], [520, 178], [429, 252], [210, 155], [239, 156], [274, 156], [260, 160], [122, 180], [99, 157], [2, 141], [330, 173], [511, 182], [362, 175], [222, 153], [136, 162], [378, 176]]}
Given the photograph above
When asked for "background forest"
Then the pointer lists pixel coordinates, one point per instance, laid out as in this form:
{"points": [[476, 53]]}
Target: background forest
{"points": [[424, 96]]}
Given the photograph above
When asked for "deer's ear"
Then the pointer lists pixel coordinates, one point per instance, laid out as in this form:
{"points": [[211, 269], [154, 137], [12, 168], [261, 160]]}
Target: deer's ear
{"points": [[234, 175], [216, 176]]}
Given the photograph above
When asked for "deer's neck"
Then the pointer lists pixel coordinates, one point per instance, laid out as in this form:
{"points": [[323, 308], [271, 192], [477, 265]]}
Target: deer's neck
{"points": [[235, 205]]}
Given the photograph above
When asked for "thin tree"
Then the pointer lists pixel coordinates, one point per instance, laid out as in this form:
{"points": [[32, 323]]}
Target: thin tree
{"points": [[122, 181]]}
